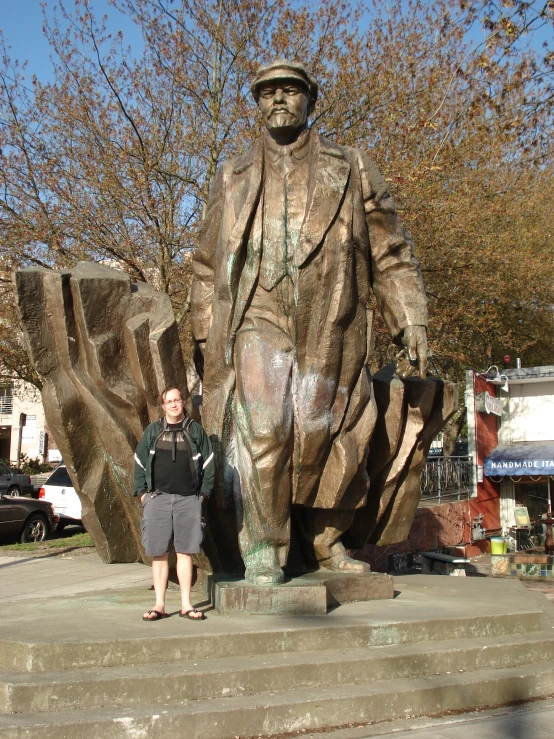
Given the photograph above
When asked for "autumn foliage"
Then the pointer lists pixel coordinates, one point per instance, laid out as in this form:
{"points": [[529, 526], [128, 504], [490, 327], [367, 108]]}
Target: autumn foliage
{"points": [[112, 160]]}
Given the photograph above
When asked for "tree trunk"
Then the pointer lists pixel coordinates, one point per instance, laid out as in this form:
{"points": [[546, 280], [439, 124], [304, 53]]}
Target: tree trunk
{"points": [[450, 433]]}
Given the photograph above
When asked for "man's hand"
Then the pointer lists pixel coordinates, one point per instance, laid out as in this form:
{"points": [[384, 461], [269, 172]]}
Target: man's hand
{"points": [[413, 357]]}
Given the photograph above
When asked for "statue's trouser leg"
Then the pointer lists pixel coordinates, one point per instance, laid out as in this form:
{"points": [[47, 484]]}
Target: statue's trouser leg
{"points": [[328, 525], [322, 528], [264, 422]]}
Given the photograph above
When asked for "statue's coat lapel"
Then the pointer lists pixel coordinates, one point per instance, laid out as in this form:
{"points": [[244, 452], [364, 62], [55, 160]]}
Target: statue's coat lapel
{"points": [[244, 246], [329, 177]]}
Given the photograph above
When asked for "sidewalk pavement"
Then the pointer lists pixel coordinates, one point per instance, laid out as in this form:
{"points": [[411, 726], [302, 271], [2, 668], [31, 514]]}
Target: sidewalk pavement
{"points": [[529, 721], [29, 578]]}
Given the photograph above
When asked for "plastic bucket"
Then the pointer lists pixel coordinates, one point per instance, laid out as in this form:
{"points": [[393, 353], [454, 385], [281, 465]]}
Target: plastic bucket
{"points": [[499, 545]]}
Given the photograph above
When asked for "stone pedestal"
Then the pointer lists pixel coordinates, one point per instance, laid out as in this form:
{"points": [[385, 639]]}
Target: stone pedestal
{"points": [[308, 594]]}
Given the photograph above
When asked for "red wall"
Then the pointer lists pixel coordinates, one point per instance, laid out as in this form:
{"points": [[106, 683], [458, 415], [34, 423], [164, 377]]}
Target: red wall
{"points": [[487, 501], [433, 528]]}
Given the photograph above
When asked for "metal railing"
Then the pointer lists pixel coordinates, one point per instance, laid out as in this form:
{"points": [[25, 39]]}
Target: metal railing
{"points": [[6, 405], [446, 477]]}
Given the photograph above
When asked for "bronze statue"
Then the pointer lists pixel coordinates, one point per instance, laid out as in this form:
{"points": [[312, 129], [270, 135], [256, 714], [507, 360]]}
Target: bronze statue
{"points": [[311, 450], [297, 232]]}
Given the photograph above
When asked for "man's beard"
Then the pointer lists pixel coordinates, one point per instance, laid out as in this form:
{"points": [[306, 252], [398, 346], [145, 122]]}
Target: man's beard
{"points": [[283, 120]]}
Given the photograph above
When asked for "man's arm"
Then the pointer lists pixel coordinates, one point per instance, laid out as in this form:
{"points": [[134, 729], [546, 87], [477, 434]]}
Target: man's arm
{"points": [[395, 274], [141, 455], [208, 471]]}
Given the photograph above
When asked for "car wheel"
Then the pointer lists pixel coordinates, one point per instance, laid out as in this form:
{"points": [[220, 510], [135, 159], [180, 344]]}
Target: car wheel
{"points": [[14, 490], [36, 529]]}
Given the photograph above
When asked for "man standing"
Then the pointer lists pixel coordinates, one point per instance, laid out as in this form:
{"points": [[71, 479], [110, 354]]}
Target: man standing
{"points": [[174, 473], [297, 231]]}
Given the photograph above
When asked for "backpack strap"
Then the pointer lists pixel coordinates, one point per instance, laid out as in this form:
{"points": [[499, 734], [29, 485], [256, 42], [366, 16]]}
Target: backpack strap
{"points": [[163, 423], [185, 426], [186, 423]]}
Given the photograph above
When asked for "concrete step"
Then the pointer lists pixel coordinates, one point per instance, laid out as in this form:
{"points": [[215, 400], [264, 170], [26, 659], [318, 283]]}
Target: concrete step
{"points": [[307, 634], [280, 712], [167, 683]]}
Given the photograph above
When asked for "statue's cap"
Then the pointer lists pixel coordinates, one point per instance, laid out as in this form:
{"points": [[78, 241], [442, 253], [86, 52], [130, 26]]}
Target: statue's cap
{"points": [[282, 69]]}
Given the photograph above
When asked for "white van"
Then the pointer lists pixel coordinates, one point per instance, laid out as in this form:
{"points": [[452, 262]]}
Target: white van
{"points": [[59, 491]]}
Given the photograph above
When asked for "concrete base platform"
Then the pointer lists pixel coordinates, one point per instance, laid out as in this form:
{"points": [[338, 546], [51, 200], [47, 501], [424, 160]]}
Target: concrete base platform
{"points": [[308, 594], [107, 627], [88, 666]]}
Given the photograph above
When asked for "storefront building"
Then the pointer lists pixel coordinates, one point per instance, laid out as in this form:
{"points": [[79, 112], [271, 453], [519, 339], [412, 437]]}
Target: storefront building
{"points": [[511, 438], [509, 464]]}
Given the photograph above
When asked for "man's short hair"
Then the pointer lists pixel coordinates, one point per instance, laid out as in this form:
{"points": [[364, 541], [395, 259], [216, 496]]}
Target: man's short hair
{"points": [[167, 390], [282, 69]]}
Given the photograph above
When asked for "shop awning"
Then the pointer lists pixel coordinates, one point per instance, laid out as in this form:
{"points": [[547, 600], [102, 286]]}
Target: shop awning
{"points": [[526, 458]]}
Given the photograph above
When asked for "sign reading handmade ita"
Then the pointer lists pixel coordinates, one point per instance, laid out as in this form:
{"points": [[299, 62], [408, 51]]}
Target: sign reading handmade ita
{"points": [[486, 403], [526, 458]]}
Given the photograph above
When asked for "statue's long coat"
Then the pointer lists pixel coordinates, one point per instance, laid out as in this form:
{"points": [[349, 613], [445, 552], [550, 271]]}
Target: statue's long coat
{"points": [[351, 240]]}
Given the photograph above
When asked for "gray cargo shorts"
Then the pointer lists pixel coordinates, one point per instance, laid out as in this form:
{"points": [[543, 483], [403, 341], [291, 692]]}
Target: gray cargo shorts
{"points": [[171, 521]]}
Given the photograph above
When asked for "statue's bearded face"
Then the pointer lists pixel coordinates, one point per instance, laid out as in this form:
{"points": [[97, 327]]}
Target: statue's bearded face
{"points": [[284, 104]]}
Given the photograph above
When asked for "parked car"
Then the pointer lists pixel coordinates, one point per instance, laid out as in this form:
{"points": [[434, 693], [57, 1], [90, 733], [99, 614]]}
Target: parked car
{"points": [[13, 484], [26, 518], [59, 491]]}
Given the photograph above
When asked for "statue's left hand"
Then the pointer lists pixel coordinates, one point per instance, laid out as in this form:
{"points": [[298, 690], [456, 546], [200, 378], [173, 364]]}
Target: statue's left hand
{"points": [[198, 358], [413, 357]]}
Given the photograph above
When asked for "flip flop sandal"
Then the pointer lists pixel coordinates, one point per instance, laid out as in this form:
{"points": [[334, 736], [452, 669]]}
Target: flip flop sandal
{"points": [[192, 618], [157, 617]]}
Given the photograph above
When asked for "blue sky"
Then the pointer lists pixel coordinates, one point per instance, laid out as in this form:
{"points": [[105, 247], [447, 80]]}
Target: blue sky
{"points": [[21, 22]]}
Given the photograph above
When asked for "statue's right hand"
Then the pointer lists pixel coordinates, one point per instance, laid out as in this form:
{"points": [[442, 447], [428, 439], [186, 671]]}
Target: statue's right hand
{"points": [[412, 359]]}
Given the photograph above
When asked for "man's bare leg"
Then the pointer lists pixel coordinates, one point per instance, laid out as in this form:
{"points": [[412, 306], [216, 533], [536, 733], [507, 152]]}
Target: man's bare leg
{"points": [[160, 575], [184, 573]]}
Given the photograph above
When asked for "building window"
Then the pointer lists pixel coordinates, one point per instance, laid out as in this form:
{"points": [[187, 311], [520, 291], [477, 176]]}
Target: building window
{"points": [[6, 400], [534, 496]]}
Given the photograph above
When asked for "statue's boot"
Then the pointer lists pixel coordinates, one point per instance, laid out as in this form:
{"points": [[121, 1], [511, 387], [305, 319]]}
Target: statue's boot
{"points": [[340, 561], [263, 568], [328, 527]]}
